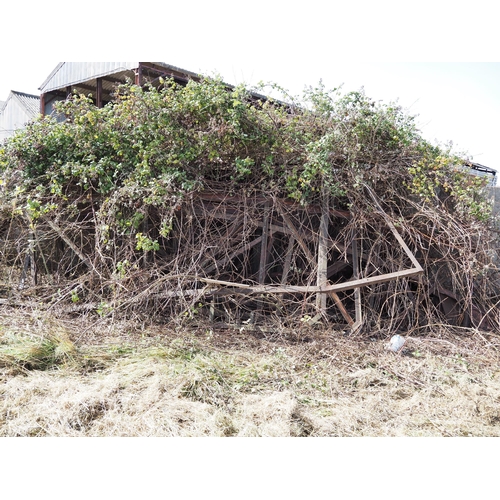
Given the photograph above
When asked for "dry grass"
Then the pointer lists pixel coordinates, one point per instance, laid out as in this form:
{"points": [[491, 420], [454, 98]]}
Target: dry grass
{"points": [[203, 382]]}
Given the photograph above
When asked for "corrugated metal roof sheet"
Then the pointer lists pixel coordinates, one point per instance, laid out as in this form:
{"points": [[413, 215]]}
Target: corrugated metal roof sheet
{"points": [[73, 73], [17, 110], [30, 102]]}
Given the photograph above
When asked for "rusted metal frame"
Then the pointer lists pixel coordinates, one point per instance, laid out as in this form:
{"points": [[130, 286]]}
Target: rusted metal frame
{"points": [[42, 104], [138, 75], [98, 92]]}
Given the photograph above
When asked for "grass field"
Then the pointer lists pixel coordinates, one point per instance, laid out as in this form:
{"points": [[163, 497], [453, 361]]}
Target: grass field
{"points": [[77, 378]]}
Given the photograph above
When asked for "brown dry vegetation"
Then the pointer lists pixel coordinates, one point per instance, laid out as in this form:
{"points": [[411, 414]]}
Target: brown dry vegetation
{"points": [[64, 378]]}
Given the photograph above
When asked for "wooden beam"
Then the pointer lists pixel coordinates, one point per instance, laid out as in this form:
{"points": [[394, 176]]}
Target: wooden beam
{"points": [[321, 278], [394, 230], [68, 242], [338, 287], [341, 307], [220, 282], [355, 273], [296, 234]]}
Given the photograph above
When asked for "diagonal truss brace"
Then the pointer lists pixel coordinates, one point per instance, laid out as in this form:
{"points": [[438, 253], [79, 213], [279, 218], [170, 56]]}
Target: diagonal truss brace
{"points": [[338, 287]]}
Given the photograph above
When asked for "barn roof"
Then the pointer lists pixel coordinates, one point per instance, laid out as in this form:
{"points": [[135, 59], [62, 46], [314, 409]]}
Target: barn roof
{"points": [[31, 103], [19, 109], [74, 73]]}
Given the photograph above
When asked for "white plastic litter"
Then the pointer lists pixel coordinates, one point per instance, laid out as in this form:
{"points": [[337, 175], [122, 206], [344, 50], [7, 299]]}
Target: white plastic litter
{"points": [[396, 343]]}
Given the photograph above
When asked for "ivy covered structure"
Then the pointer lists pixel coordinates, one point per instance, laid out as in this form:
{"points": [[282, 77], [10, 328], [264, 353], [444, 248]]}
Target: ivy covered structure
{"points": [[195, 201]]}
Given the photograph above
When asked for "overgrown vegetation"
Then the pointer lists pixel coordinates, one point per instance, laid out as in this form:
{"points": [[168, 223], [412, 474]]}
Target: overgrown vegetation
{"points": [[127, 208], [202, 382]]}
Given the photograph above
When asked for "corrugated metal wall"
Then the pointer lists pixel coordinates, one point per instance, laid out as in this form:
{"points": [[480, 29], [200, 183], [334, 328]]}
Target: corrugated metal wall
{"points": [[494, 193], [71, 73], [12, 117]]}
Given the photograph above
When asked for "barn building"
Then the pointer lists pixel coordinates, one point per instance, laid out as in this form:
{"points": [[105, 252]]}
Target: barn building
{"points": [[99, 79], [16, 112]]}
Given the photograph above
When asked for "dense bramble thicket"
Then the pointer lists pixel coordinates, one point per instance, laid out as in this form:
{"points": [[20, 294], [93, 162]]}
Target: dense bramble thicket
{"points": [[157, 145], [122, 174]]}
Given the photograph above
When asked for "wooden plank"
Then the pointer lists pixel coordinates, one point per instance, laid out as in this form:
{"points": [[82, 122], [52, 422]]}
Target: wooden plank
{"points": [[221, 282], [322, 272], [341, 307], [296, 234], [394, 230], [338, 287], [357, 291], [68, 242]]}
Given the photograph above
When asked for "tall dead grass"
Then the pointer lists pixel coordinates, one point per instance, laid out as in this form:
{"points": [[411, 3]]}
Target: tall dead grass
{"points": [[204, 382]]}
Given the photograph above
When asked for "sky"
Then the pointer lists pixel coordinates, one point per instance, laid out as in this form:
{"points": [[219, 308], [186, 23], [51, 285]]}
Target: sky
{"points": [[440, 63]]}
